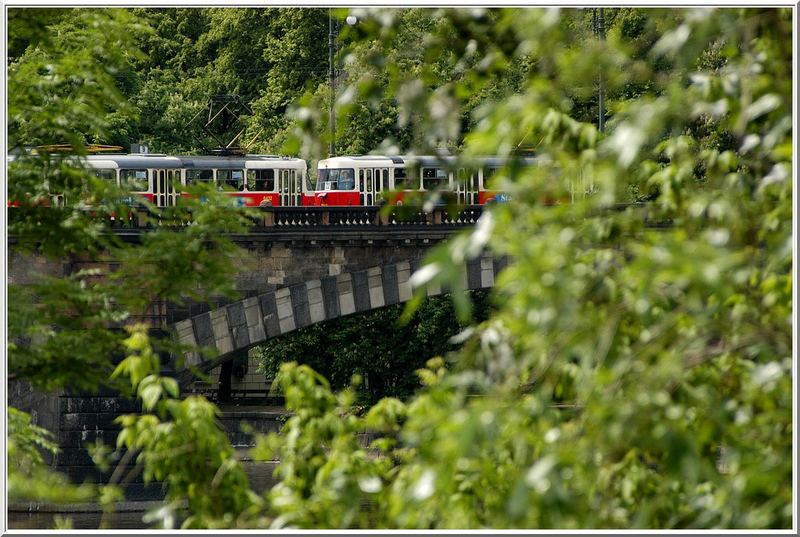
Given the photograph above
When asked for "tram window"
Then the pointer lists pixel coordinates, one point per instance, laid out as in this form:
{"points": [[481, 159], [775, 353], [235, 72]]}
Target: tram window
{"points": [[134, 180], [336, 179], [261, 180], [490, 172], [401, 180], [231, 178], [433, 178], [194, 175], [106, 174]]}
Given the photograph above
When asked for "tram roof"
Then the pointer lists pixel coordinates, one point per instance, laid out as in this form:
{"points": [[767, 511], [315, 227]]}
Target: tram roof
{"points": [[416, 160], [194, 161]]}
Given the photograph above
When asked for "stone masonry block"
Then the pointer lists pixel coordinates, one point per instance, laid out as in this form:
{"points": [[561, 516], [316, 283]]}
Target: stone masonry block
{"points": [[283, 302], [270, 310], [299, 294], [344, 284], [192, 359], [78, 422], [389, 280], [185, 332], [375, 282], [473, 273], [203, 330], [316, 305], [222, 333], [238, 325], [277, 279], [403, 283], [487, 271], [361, 290], [252, 313], [280, 250], [330, 296]]}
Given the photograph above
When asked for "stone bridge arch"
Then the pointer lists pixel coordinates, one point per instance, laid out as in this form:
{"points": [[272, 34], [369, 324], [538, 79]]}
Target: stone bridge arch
{"points": [[236, 327]]}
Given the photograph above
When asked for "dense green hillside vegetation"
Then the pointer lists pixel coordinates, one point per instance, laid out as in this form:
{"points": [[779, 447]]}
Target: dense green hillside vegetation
{"points": [[177, 59]]}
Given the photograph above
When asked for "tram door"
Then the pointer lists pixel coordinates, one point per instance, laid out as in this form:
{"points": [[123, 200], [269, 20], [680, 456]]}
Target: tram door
{"points": [[467, 187], [164, 183], [371, 183], [289, 187]]}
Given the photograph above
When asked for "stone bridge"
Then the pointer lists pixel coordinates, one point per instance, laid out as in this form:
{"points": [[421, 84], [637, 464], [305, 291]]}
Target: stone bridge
{"points": [[298, 267], [236, 327]]}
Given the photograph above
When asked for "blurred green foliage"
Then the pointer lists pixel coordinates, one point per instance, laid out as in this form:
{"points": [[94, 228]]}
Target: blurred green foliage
{"points": [[632, 376], [70, 333]]}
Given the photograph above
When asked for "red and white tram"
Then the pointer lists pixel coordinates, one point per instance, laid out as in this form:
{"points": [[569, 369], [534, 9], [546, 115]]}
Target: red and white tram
{"points": [[365, 180], [267, 180], [250, 180]]}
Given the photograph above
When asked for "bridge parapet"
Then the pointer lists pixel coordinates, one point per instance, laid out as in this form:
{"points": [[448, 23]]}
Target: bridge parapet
{"points": [[368, 216]]}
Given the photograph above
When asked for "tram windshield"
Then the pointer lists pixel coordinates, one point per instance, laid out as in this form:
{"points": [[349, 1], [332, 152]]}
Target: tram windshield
{"points": [[336, 179]]}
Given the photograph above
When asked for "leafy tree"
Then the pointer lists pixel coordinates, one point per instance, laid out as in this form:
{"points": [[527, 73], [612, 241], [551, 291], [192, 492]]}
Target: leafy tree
{"points": [[633, 376], [67, 333]]}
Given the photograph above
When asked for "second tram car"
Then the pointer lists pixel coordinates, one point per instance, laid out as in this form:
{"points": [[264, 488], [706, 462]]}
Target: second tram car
{"points": [[364, 180]]}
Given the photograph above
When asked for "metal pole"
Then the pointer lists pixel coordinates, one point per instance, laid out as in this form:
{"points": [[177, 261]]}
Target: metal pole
{"points": [[332, 78], [601, 120]]}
